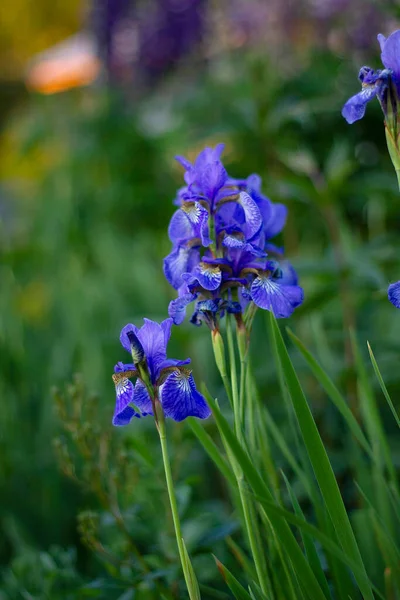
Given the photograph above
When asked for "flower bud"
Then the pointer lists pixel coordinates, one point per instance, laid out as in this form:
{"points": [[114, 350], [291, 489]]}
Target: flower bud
{"points": [[219, 351], [136, 348]]}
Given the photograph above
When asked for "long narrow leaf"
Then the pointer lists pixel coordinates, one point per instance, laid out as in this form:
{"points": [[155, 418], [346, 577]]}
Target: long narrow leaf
{"points": [[321, 465], [308, 543], [383, 386], [281, 528], [212, 450], [333, 393], [236, 588]]}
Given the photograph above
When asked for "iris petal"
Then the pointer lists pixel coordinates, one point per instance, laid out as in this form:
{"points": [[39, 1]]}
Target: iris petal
{"points": [[177, 307], [141, 398], [124, 396], [208, 276], [181, 260], [280, 299], [180, 228], [391, 52], [354, 109], [394, 294], [124, 339], [252, 213], [180, 398], [124, 417]]}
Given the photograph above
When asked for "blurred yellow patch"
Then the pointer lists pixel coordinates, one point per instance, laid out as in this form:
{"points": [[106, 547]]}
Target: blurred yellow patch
{"points": [[33, 301]]}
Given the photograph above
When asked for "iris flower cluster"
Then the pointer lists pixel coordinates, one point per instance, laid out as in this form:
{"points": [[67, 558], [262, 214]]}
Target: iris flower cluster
{"points": [[222, 256], [222, 259]]}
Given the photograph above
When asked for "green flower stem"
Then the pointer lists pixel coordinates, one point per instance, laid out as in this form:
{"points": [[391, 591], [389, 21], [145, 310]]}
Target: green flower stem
{"points": [[234, 381], [160, 422], [248, 511]]}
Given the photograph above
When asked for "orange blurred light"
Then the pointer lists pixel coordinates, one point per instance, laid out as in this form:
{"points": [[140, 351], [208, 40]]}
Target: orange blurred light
{"points": [[70, 64]]}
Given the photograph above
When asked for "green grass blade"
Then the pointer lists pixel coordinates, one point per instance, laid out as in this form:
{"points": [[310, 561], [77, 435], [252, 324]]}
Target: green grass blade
{"points": [[212, 450], [283, 531], [308, 543], [333, 393], [327, 542], [194, 586], [236, 588], [256, 593], [371, 416], [321, 465], [383, 386]]}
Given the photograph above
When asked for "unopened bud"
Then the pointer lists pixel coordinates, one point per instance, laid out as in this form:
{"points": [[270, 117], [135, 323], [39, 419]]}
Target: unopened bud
{"points": [[219, 351]]}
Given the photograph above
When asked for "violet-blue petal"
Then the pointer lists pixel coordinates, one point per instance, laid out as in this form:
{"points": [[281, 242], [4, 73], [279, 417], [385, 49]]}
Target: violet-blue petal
{"points": [[121, 367], [234, 239], [394, 294], [181, 260], [207, 156], [141, 398], [177, 307], [180, 228], [174, 362], [391, 52], [275, 221], [354, 109], [125, 417], [252, 213], [166, 326], [289, 274], [212, 178], [208, 276], [152, 337], [124, 391], [124, 335], [180, 398], [381, 40], [280, 299], [198, 216], [184, 162]]}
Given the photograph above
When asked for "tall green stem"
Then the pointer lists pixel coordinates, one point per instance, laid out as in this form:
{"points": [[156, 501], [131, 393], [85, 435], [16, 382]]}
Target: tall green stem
{"points": [[190, 580], [248, 511]]}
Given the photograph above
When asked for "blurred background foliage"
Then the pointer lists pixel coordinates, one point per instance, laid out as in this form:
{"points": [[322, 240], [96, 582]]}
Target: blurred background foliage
{"points": [[87, 179]]}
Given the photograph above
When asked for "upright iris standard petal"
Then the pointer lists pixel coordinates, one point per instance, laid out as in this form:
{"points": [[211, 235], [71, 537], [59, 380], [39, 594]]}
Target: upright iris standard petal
{"points": [[382, 40], [124, 339], [212, 178], [391, 52], [280, 299], [153, 339], [180, 398], [394, 294], [354, 109]]}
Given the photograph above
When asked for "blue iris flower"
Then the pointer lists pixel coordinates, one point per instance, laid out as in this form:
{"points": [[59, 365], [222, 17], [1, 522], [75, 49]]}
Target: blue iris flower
{"points": [[383, 84], [169, 379], [226, 273]]}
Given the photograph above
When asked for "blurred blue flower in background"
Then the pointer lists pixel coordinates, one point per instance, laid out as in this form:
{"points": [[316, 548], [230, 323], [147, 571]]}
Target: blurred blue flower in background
{"points": [[380, 83]]}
